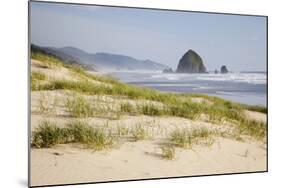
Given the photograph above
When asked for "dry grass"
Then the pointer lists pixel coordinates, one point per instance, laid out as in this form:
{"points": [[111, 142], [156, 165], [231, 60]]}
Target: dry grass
{"points": [[78, 106], [168, 152], [48, 134], [139, 132], [47, 104], [186, 137]]}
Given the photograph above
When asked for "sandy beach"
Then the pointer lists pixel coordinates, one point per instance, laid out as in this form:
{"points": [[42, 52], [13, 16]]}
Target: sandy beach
{"points": [[135, 159], [139, 160]]}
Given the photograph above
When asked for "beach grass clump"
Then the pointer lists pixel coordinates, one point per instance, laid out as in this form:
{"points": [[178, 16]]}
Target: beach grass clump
{"points": [[48, 60], [253, 128], [150, 110], [94, 138], [83, 86], [36, 78], [47, 135], [47, 104], [117, 89], [78, 107], [186, 138], [168, 152], [139, 132], [126, 107], [122, 131], [181, 138], [43, 104], [201, 132], [186, 110]]}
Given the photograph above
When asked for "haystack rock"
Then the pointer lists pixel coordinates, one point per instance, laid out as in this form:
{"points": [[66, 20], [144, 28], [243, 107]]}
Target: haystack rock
{"points": [[191, 62]]}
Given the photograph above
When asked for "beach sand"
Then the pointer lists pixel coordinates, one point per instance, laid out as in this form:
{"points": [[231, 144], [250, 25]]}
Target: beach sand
{"points": [[66, 164], [71, 163]]}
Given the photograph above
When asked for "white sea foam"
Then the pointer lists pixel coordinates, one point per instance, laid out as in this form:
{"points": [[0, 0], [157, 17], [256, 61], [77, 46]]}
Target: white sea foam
{"points": [[169, 84], [167, 76], [228, 93], [201, 88], [251, 78], [252, 89]]}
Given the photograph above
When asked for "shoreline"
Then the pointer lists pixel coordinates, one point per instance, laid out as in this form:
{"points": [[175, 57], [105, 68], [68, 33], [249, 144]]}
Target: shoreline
{"points": [[198, 84]]}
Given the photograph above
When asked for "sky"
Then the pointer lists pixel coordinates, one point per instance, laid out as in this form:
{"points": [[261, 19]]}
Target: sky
{"points": [[239, 42]]}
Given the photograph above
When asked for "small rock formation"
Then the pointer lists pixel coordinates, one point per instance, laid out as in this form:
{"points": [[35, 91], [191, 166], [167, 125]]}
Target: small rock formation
{"points": [[191, 62], [224, 69], [168, 70]]}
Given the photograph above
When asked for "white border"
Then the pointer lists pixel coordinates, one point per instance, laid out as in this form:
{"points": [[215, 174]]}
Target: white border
{"points": [[13, 99]]}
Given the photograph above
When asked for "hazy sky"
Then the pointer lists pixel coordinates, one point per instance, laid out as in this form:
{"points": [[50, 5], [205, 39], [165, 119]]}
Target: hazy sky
{"points": [[239, 42]]}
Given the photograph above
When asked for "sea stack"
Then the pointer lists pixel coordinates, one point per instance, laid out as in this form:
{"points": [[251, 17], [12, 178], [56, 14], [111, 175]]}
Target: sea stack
{"points": [[191, 62], [168, 70], [224, 69]]}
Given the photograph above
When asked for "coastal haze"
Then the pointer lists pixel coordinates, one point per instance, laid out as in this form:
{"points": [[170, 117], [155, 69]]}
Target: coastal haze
{"points": [[239, 42]]}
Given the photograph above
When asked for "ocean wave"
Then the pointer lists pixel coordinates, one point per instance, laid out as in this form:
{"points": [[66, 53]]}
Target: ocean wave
{"points": [[201, 88], [167, 76], [251, 78], [229, 93], [169, 84], [257, 78]]}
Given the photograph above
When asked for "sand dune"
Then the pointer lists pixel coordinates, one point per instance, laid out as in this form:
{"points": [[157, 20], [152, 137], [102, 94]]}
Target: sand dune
{"points": [[138, 160], [72, 163]]}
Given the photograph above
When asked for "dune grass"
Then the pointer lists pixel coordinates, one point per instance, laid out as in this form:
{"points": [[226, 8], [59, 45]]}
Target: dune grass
{"points": [[48, 60], [186, 137], [126, 107], [38, 76], [151, 110], [48, 134], [47, 105], [95, 138], [122, 131], [255, 129], [44, 107], [168, 152], [78, 107], [180, 105], [35, 79], [139, 132], [176, 106]]}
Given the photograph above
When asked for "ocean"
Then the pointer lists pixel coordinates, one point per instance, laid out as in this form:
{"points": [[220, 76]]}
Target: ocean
{"points": [[242, 87]]}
